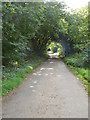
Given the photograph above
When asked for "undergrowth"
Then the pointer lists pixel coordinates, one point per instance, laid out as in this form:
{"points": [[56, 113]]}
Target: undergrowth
{"points": [[77, 65]]}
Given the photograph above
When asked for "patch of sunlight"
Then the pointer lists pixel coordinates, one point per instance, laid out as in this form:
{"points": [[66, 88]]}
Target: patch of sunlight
{"points": [[15, 62], [31, 86], [30, 67], [51, 62], [50, 68], [34, 74], [16, 50], [35, 82], [42, 69]]}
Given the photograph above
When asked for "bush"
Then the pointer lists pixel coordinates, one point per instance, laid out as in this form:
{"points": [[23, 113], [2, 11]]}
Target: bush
{"points": [[85, 56], [74, 60]]}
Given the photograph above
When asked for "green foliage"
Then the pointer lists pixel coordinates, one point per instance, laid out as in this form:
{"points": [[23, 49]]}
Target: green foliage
{"points": [[74, 60], [55, 47], [76, 63], [79, 59], [85, 56], [27, 28]]}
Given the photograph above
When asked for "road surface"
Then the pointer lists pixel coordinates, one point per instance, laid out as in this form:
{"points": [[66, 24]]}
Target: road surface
{"points": [[51, 91]]}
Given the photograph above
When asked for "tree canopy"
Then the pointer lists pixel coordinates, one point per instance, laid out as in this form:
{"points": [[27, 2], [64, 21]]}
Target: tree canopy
{"points": [[30, 27]]}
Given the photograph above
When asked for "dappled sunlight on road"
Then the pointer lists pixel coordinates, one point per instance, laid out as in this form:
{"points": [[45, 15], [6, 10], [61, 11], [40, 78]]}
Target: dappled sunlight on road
{"points": [[31, 86], [34, 74], [52, 55], [52, 87], [50, 68], [51, 62], [45, 71], [42, 69]]}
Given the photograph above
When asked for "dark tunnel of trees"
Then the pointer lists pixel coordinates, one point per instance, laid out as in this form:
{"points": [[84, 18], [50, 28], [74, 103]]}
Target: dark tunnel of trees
{"points": [[28, 29], [31, 27]]}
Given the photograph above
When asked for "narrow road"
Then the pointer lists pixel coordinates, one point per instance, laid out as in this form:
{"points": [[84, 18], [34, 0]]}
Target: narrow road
{"points": [[51, 91]]}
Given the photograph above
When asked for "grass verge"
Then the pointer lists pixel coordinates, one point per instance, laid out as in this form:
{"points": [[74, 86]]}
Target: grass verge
{"points": [[81, 72], [14, 78]]}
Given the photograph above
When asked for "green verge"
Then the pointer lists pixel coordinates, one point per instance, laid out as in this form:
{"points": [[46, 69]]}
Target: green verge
{"points": [[81, 72], [15, 78]]}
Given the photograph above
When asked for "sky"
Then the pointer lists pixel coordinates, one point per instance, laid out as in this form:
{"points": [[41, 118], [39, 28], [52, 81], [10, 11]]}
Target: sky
{"points": [[76, 3]]}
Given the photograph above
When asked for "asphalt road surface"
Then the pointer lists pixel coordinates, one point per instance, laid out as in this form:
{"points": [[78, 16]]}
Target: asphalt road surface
{"points": [[50, 91]]}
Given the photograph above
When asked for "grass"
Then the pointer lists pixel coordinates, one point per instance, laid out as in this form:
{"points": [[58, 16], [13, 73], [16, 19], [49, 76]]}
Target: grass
{"points": [[81, 72], [15, 78], [82, 75]]}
